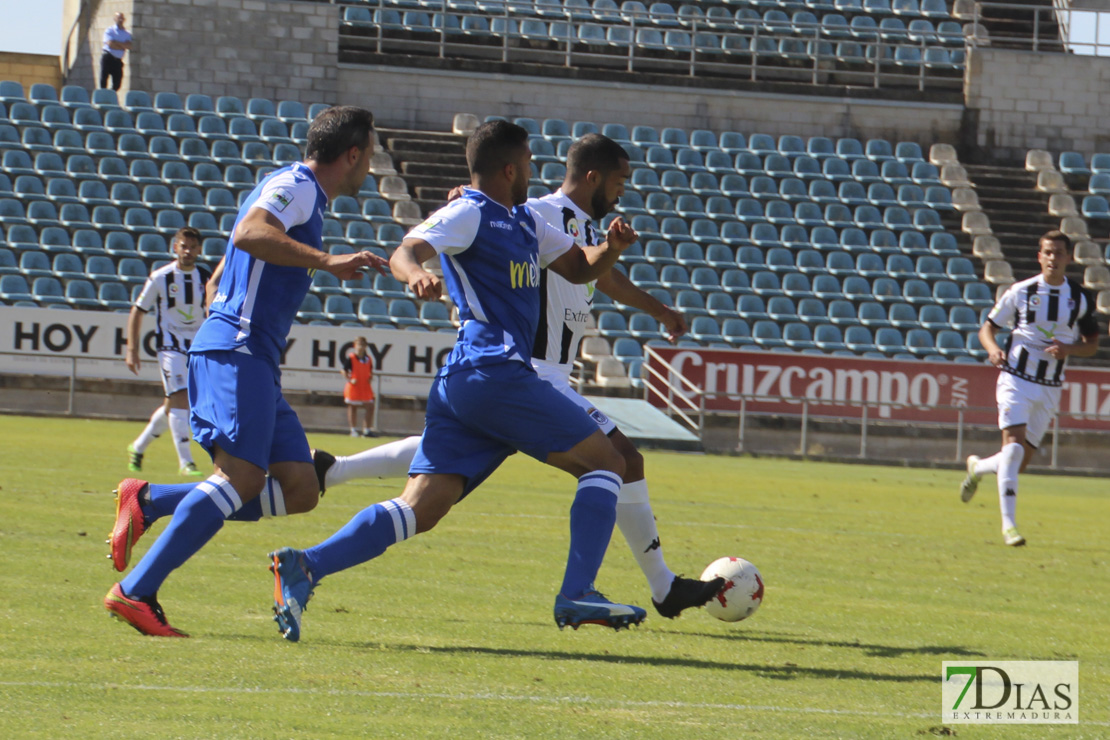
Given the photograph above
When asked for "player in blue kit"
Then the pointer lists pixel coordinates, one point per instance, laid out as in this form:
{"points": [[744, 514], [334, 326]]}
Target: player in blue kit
{"points": [[238, 412], [487, 401]]}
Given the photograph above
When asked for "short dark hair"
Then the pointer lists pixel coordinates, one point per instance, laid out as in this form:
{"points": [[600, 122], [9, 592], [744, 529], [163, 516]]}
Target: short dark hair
{"points": [[335, 130], [186, 232], [493, 145], [1057, 236], [595, 152]]}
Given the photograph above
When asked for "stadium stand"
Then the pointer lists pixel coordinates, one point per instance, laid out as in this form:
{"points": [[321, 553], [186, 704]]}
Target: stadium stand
{"points": [[815, 244]]}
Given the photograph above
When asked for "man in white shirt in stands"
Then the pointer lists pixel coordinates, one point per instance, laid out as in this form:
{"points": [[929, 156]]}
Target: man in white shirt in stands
{"points": [[117, 42]]}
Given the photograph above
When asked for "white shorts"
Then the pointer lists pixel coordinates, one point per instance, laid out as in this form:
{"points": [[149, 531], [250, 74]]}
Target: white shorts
{"points": [[175, 371], [1023, 402], [561, 383]]}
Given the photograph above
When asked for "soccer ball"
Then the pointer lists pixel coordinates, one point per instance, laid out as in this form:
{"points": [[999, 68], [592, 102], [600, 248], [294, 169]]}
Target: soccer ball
{"points": [[742, 593]]}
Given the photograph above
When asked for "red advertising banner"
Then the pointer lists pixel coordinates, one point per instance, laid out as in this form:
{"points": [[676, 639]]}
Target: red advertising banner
{"points": [[932, 392]]}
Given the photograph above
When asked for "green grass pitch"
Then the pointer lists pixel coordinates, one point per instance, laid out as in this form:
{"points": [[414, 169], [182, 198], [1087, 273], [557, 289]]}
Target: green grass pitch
{"points": [[874, 576]]}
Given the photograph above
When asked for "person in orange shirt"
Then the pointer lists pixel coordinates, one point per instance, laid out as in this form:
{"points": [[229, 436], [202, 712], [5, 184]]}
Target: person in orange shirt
{"points": [[358, 369]]}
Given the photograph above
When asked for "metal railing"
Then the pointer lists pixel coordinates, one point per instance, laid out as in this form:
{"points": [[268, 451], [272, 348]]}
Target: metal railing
{"points": [[1069, 23], [687, 403], [76, 360], [792, 52]]}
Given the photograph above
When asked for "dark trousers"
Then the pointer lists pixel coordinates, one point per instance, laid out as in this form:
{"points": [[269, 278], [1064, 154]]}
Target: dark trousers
{"points": [[112, 67]]}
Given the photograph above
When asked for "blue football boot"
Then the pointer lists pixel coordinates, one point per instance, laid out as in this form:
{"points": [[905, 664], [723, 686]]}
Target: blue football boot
{"points": [[292, 590], [593, 608]]}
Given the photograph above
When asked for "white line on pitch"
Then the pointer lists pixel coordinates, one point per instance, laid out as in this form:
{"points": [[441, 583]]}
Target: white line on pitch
{"points": [[482, 696]]}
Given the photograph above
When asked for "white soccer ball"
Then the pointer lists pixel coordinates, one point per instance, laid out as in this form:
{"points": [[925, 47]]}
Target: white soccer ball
{"points": [[742, 593]]}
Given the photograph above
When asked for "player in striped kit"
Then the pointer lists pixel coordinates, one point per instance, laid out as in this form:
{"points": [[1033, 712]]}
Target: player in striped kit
{"points": [[176, 294], [597, 169], [1051, 318]]}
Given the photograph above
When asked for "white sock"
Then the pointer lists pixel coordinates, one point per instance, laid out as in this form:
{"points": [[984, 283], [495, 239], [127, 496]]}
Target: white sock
{"points": [[637, 524], [273, 500], [179, 427], [988, 464], [1008, 467], [158, 423], [390, 460]]}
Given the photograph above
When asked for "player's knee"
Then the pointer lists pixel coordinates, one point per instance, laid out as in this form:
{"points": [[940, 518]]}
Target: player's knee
{"points": [[302, 499], [633, 463], [613, 461]]}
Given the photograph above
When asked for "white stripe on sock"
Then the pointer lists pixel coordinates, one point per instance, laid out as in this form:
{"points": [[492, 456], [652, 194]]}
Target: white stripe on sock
{"points": [[232, 495], [404, 520], [217, 496], [602, 479], [273, 500]]}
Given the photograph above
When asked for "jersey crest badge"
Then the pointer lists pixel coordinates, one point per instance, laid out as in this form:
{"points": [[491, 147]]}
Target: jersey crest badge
{"points": [[574, 229]]}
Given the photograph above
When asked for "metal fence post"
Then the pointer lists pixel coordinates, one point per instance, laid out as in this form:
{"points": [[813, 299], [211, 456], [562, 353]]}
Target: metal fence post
{"points": [[805, 425], [959, 435], [1055, 440], [743, 419], [72, 384], [863, 433]]}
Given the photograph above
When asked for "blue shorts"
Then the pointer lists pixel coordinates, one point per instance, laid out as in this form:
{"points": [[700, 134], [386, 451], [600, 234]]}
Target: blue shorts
{"points": [[235, 402], [478, 417]]}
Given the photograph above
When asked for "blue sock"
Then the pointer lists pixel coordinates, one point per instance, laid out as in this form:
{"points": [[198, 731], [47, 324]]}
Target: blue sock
{"points": [[198, 518], [164, 499], [592, 516], [363, 538]]}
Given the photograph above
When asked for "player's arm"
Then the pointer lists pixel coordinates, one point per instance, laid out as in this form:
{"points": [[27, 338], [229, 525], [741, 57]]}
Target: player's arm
{"points": [[1087, 345], [987, 333], [261, 235], [407, 265], [212, 286], [134, 327], [617, 286], [583, 265]]}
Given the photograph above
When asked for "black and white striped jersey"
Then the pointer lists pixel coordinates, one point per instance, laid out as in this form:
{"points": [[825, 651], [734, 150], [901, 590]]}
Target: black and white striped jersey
{"points": [[177, 298], [564, 306], [1037, 315]]}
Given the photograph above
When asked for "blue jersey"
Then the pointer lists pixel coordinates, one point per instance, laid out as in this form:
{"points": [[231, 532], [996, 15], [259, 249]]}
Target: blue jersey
{"points": [[491, 258], [257, 301]]}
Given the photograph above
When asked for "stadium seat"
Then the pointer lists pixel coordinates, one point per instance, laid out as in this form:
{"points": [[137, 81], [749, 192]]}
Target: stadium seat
{"points": [[15, 288]]}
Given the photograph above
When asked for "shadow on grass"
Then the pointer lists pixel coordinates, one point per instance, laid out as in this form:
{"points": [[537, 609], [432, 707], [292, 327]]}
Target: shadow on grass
{"points": [[785, 672], [870, 650]]}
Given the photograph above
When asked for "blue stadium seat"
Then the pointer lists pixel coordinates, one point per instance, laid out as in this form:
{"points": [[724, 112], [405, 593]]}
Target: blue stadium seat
{"points": [[689, 303], [85, 241], [920, 342], [42, 213], [153, 246], [62, 190], [767, 335], [705, 329], [132, 270], [15, 288], [766, 284], [735, 282], [80, 293]]}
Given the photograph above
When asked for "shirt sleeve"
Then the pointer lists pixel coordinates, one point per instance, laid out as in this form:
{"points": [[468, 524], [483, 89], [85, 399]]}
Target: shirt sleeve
{"points": [[290, 199], [1002, 315], [347, 362], [1088, 324], [553, 241], [148, 296], [451, 229]]}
